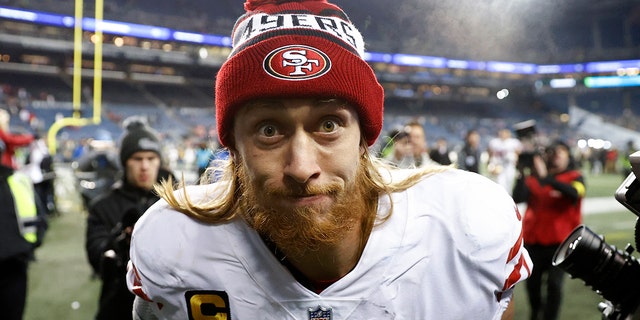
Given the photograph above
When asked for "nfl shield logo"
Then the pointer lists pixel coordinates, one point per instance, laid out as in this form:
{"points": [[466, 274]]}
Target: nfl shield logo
{"points": [[320, 313]]}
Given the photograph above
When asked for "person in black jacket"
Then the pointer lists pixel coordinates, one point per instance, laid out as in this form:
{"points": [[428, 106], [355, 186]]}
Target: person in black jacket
{"points": [[469, 156], [22, 227], [113, 214], [440, 152]]}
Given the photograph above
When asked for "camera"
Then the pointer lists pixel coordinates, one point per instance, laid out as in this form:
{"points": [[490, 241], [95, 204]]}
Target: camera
{"points": [[609, 271], [118, 254], [526, 133]]}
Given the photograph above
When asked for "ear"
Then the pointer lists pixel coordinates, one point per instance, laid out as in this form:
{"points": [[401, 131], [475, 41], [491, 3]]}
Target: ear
{"points": [[233, 155], [364, 146]]}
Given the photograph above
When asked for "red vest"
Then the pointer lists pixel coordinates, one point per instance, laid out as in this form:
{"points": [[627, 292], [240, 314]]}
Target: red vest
{"points": [[550, 215]]}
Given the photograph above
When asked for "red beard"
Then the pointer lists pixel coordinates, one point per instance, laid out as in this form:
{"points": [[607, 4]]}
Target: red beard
{"points": [[301, 229]]}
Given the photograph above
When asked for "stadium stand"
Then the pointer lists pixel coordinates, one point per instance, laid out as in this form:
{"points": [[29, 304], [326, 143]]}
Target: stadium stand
{"points": [[174, 89]]}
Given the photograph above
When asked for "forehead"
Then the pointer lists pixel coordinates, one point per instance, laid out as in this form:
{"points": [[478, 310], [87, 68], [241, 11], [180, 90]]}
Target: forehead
{"points": [[416, 131], [559, 148], [281, 105], [144, 154]]}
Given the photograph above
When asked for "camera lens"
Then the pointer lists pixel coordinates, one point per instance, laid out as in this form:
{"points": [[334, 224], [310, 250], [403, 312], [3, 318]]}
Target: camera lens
{"points": [[580, 245], [613, 273]]}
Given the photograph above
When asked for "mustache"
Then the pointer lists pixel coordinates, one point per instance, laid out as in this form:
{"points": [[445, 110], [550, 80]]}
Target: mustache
{"points": [[305, 190]]}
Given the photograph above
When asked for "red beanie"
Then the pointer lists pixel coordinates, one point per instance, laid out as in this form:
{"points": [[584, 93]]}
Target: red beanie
{"points": [[297, 49]]}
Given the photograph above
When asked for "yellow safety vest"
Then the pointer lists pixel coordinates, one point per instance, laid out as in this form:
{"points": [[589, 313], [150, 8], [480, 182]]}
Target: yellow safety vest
{"points": [[26, 210]]}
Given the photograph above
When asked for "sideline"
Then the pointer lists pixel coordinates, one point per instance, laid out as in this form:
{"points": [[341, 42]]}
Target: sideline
{"points": [[601, 205], [597, 205]]}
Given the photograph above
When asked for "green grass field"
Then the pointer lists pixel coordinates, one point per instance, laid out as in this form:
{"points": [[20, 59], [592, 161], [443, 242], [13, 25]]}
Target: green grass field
{"points": [[580, 302], [60, 282], [61, 286]]}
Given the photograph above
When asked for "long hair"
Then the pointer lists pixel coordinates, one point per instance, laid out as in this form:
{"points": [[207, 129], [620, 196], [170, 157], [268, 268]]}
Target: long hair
{"points": [[225, 205]]}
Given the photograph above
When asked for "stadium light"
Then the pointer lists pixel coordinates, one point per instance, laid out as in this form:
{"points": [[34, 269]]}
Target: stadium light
{"points": [[562, 83], [502, 94], [203, 53]]}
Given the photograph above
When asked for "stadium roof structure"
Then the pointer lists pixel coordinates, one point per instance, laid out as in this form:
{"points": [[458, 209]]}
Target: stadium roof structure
{"points": [[419, 49], [529, 31]]}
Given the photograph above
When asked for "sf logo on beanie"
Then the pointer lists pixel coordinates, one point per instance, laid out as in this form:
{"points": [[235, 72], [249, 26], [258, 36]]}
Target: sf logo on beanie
{"points": [[297, 63]]}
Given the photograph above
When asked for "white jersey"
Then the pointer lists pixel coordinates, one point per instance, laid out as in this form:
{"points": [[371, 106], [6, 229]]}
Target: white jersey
{"points": [[503, 159], [452, 249], [504, 152]]}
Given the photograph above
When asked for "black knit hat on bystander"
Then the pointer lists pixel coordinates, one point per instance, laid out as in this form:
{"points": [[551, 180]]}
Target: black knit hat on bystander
{"points": [[138, 137]]}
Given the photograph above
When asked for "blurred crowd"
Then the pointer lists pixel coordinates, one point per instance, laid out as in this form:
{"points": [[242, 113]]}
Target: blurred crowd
{"points": [[490, 149]]}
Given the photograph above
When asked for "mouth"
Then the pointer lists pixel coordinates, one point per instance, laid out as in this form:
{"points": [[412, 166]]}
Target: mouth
{"points": [[297, 197], [308, 200]]}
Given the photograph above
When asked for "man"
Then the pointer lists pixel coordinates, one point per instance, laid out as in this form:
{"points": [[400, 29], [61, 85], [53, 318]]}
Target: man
{"points": [[39, 167], [402, 151], [503, 157], [440, 152], [469, 156], [553, 191], [306, 223], [418, 138], [22, 228], [112, 215]]}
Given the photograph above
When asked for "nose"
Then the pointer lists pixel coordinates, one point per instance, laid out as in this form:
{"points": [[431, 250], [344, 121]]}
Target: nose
{"points": [[145, 164], [302, 160]]}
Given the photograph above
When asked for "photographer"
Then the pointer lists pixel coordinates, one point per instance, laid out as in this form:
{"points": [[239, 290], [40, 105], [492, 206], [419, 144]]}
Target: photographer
{"points": [[552, 189], [113, 214]]}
